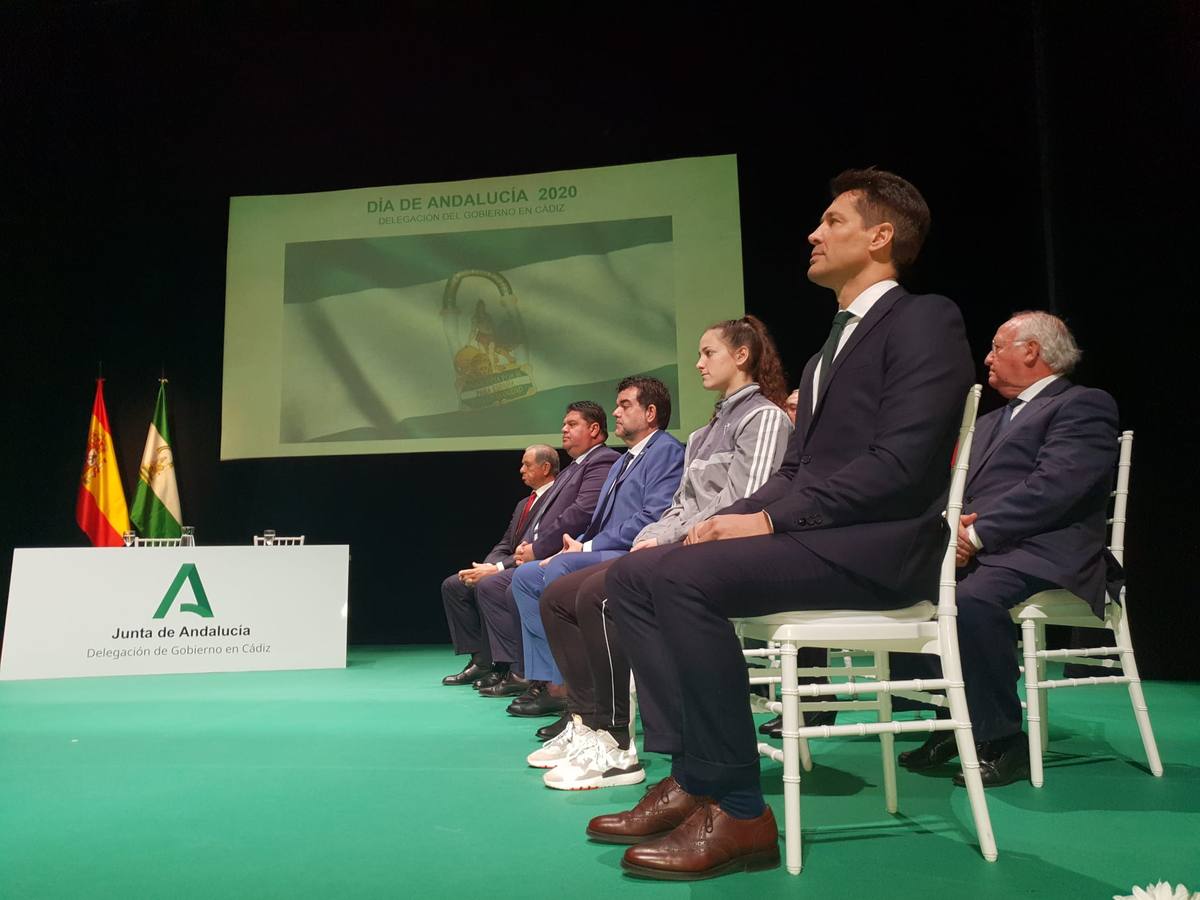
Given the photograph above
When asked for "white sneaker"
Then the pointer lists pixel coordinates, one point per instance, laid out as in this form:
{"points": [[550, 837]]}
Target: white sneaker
{"points": [[595, 763], [556, 750]]}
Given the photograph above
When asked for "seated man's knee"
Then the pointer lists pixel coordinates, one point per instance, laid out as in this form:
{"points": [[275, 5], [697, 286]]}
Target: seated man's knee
{"points": [[558, 597], [491, 591], [452, 586], [628, 574], [528, 576]]}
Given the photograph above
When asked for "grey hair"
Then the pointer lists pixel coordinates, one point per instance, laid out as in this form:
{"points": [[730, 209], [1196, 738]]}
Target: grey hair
{"points": [[1058, 346], [544, 453]]}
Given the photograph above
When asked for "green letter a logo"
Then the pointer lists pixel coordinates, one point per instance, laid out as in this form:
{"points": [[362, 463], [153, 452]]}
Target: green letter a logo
{"points": [[187, 572]]}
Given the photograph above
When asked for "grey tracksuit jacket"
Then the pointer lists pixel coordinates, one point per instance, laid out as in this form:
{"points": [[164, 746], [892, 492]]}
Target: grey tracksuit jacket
{"points": [[726, 460]]}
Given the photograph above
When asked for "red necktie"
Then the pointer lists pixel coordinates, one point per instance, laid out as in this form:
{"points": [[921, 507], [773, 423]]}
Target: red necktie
{"points": [[525, 515]]}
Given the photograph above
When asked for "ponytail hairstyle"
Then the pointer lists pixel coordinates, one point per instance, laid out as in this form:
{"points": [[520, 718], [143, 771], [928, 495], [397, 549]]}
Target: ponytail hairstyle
{"points": [[763, 363]]}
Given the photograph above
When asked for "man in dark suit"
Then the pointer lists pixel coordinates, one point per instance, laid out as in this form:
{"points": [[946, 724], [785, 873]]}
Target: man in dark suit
{"points": [[852, 519], [566, 509], [1033, 519], [636, 492], [539, 467]]}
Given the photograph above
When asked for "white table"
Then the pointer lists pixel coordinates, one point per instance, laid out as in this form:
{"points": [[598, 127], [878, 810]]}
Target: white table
{"points": [[77, 612]]}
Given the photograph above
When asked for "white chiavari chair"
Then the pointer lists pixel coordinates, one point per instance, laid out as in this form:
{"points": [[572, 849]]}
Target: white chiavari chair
{"points": [[278, 541], [1060, 607], [921, 628]]}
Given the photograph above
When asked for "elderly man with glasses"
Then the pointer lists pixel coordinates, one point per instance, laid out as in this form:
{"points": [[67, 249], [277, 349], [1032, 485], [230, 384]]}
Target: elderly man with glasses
{"points": [[1033, 519]]}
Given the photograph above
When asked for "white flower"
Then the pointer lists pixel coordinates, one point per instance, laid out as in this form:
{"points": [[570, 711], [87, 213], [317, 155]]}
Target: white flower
{"points": [[1160, 891]]}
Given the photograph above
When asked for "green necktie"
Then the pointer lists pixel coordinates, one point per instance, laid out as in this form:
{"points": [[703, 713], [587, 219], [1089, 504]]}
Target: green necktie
{"points": [[829, 351]]}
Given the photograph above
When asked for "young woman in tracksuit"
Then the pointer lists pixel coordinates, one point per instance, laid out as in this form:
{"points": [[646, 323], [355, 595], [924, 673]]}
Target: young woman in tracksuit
{"points": [[725, 460]]}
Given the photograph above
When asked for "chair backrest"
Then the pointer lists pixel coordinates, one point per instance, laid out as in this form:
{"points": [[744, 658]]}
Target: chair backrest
{"points": [[156, 542], [278, 541], [954, 502], [1116, 533]]}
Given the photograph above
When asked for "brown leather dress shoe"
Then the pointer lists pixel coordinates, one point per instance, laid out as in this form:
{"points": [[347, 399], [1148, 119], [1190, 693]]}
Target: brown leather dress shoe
{"points": [[710, 842], [662, 809]]}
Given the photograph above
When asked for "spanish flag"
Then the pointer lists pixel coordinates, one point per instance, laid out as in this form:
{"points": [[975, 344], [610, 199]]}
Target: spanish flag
{"points": [[100, 509]]}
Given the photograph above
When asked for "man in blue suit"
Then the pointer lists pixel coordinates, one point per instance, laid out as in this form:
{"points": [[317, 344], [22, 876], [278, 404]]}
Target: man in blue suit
{"points": [[1033, 519], [565, 509], [637, 491]]}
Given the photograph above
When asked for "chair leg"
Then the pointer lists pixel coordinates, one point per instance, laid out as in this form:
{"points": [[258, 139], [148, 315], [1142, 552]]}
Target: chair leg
{"points": [[1043, 694], [1136, 698], [632, 709], [789, 688], [772, 661], [806, 760], [957, 696], [1033, 699], [887, 740]]}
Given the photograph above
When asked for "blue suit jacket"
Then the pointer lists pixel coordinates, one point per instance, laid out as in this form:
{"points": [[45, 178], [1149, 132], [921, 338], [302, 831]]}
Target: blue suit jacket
{"points": [[1041, 488], [568, 506], [863, 484], [640, 497]]}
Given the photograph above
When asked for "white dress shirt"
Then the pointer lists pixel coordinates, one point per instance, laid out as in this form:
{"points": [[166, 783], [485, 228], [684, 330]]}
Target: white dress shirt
{"points": [[1030, 392], [1025, 396], [633, 453], [859, 307], [537, 495]]}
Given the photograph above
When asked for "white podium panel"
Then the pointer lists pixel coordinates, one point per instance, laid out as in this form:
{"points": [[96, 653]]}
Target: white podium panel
{"points": [[79, 612]]}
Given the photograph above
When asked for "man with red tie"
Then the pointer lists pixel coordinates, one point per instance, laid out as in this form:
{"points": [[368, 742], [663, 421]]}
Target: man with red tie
{"points": [[539, 466]]}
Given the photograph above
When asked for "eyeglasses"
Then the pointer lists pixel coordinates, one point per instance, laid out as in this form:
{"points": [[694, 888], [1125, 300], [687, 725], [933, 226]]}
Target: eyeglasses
{"points": [[996, 348]]}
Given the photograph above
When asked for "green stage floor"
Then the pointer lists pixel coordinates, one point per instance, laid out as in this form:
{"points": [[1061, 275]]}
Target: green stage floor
{"points": [[376, 781]]}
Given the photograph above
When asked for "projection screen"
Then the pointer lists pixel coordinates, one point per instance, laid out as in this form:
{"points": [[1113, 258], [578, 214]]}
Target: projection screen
{"points": [[466, 315]]}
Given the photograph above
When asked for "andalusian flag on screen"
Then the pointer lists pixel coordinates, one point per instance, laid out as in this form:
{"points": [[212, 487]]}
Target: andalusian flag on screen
{"points": [[100, 508], [156, 501], [417, 336]]}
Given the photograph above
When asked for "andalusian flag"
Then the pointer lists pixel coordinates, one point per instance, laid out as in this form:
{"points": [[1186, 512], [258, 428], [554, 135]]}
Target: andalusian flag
{"points": [[100, 509], [156, 501]]}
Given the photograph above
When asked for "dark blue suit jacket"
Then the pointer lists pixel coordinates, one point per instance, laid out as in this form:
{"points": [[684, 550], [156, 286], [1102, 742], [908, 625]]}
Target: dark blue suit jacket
{"points": [[568, 506], [865, 478], [640, 497], [1041, 488]]}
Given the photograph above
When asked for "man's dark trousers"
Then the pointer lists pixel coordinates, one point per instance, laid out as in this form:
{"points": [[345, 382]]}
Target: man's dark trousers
{"points": [[587, 648], [986, 646], [468, 632], [503, 628], [671, 601]]}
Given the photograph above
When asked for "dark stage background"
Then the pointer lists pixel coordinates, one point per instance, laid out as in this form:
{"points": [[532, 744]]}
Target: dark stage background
{"points": [[1056, 148]]}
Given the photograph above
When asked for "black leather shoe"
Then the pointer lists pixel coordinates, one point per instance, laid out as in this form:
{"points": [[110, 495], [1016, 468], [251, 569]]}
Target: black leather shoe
{"points": [[534, 690], [468, 675], [773, 728], [530, 696], [538, 703], [493, 677], [938, 749], [1002, 761], [508, 686], [554, 729]]}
